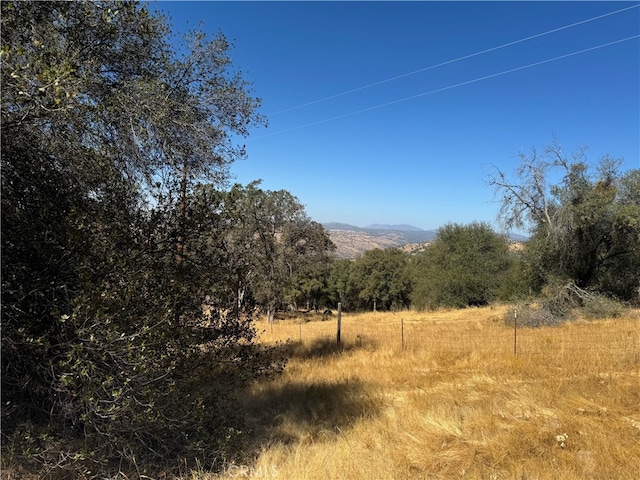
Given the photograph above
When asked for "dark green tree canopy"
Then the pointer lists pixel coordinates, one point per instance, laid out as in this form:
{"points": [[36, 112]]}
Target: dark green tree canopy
{"points": [[106, 260], [289, 250], [339, 285], [380, 278], [465, 265]]}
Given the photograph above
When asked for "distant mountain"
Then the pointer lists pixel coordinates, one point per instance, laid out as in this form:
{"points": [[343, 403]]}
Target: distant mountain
{"points": [[352, 241], [516, 237], [400, 228]]}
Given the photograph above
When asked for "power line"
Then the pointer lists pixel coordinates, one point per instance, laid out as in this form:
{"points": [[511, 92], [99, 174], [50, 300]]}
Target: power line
{"points": [[448, 62], [450, 87]]}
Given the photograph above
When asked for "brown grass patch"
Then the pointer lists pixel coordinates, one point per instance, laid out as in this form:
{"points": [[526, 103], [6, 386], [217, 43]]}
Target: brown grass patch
{"points": [[455, 403]]}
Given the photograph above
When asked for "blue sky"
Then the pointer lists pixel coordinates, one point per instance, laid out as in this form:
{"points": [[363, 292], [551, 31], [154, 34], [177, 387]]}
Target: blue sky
{"points": [[371, 157]]}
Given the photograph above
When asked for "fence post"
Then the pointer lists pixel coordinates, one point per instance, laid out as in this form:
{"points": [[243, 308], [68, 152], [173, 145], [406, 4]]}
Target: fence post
{"points": [[339, 320], [402, 331], [515, 332]]}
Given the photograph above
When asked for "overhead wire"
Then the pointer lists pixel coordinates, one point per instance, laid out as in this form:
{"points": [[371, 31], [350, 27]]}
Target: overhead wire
{"points": [[449, 87], [448, 62]]}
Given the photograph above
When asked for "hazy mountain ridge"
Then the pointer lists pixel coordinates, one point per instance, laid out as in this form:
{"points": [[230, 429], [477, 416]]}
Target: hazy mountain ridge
{"points": [[400, 228], [352, 241]]}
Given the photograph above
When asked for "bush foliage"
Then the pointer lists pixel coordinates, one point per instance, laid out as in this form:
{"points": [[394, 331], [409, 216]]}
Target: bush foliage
{"points": [[108, 362], [467, 265]]}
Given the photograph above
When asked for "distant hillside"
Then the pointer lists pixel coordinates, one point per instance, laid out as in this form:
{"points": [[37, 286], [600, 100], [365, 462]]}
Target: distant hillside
{"points": [[516, 237], [352, 241]]}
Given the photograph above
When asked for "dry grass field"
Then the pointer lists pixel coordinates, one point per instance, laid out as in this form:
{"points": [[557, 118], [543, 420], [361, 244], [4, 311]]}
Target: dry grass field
{"points": [[442, 395]]}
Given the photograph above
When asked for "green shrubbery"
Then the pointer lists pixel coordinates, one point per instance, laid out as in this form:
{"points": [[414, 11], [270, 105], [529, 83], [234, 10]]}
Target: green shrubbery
{"points": [[467, 265], [602, 306], [108, 363]]}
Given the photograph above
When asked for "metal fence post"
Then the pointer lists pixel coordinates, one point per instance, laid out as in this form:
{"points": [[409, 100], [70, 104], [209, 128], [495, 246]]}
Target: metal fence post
{"points": [[515, 332], [339, 320]]}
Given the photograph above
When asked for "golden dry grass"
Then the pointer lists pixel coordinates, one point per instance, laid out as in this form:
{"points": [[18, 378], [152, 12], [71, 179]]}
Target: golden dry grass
{"points": [[455, 403]]}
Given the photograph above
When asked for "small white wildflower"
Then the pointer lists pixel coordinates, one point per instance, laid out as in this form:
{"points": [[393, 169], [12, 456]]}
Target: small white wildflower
{"points": [[562, 439]]}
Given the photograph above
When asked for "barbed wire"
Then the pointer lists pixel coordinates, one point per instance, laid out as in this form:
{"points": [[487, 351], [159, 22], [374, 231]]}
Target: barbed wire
{"points": [[619, 337]]}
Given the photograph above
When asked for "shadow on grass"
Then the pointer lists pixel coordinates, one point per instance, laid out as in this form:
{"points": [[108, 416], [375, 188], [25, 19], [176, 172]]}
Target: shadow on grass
{"points": [[300, 411], [324, 347], [288, 409]]}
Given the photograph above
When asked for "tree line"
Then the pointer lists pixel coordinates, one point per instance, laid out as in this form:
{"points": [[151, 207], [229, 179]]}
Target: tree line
{"points": [[584, 225], [466, 265], [132, 270]]}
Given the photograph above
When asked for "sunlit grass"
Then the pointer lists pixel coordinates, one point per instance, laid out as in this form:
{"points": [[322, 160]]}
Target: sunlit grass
{"points": [[456, 402]]}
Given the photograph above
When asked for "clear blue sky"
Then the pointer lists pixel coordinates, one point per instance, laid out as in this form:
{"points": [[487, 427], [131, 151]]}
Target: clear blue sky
{"points": [[423, 161]]}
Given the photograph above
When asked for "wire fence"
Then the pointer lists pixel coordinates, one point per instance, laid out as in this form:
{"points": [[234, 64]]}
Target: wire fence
{"points": [[489, 334]]}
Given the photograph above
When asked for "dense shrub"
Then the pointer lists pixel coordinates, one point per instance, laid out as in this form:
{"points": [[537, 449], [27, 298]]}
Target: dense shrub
{"points": [[467, 265], [602, 306], [108, 363]]}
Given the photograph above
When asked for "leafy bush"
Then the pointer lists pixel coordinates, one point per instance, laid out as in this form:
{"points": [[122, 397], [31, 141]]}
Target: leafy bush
{"points": [[467, 265], [134, 377], [108, 363], [602, 306]]}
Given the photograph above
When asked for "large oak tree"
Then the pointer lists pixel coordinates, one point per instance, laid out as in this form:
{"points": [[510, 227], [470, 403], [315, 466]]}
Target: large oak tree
{"points": [[466, 265], [106, 128], [584, 219]]}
